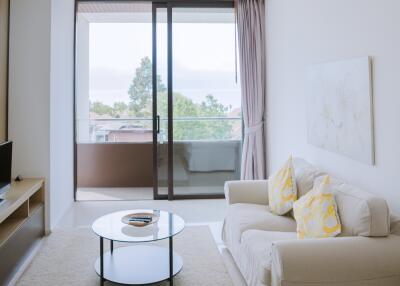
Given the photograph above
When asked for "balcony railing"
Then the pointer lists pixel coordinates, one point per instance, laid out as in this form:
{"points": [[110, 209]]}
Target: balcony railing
{"points": [[103, 130]]}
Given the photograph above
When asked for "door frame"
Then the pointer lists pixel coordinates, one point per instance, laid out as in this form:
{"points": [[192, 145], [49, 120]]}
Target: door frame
{"points": [[156, 195], [169, 5]]}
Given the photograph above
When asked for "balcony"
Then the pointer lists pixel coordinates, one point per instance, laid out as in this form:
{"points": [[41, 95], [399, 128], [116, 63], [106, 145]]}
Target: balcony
{"points": [[121, 70], [115, 156]]}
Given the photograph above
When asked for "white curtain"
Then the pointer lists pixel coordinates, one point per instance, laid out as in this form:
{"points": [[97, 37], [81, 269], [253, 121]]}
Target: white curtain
{"points": [[251, 42]]}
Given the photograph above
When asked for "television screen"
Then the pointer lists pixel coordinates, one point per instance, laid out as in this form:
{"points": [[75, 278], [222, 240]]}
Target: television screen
{"points": [[5, 166]]}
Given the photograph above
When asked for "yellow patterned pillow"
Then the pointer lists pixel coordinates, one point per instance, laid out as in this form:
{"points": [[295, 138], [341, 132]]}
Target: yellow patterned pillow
{"points": [[282, 191], [316, 212]]}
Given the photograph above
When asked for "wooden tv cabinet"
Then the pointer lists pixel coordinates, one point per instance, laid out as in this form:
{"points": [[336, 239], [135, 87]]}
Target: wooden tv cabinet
{"points": [[22, 225]]}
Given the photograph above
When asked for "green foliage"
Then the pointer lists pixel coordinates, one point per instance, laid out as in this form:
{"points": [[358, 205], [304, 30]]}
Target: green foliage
{"points": [[140, 90], [191, 120], [119, 109], [101, 108], [115, 111]]}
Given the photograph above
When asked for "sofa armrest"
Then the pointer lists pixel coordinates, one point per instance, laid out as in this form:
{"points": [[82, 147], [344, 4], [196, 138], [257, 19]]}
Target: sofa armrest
{"points": [[335, 261], [251, 192]]}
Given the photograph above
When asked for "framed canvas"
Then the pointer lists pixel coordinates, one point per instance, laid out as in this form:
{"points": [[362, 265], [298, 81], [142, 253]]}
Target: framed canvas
{"points": [[339, 108]]}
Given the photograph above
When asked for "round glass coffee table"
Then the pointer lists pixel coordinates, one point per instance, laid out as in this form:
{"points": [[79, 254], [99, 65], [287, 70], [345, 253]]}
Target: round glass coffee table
{"points": [[139, 263]]}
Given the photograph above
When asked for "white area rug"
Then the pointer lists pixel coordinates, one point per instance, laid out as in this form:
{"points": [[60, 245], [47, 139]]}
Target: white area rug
{"points": [[67, 257]]}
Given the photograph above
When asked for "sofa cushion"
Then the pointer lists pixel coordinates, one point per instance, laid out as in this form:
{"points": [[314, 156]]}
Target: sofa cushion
{"points": [[305, 174], [255, 255], [361, 213], [242, 217]]}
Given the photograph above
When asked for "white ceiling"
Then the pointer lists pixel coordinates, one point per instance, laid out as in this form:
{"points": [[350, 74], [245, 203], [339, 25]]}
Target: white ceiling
{"points": [[140, 12]]}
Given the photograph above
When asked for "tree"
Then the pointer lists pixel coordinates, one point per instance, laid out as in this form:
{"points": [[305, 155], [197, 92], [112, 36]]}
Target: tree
{"points": [[211, 107], [119, 109], [192, 121], [140, 90], [184, 129], [100, 108]]}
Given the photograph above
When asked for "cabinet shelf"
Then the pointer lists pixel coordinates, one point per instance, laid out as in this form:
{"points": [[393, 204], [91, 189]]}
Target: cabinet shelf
{"points": [[8, 228], [20, 203], [22, 225]]}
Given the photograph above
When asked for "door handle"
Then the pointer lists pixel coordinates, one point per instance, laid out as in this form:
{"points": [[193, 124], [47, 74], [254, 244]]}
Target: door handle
{"points": [[158, 124]]}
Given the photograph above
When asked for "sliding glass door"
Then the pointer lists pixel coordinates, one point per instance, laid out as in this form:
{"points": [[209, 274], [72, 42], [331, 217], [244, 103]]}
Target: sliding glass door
{"points": [[113, 100], [197, 101], [157, 99]]}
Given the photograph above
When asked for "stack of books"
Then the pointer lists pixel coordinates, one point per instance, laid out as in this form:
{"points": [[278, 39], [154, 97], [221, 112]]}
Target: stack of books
{"points": [[141, 218]]}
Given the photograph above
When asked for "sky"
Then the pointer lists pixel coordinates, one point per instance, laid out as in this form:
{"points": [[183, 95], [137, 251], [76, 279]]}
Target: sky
{"points": [[203, 59]]}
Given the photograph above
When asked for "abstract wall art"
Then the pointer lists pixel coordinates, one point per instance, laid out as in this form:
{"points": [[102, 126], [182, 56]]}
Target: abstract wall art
{"points": [[339, 108]]}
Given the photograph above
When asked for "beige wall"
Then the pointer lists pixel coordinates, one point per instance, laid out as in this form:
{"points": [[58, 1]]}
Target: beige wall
{"points": [[41, 96], [3, 66], [303, 32], [29, 89]]}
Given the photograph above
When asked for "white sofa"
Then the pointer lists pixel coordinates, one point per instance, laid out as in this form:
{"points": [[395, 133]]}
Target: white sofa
{"points": [[267, 252]]}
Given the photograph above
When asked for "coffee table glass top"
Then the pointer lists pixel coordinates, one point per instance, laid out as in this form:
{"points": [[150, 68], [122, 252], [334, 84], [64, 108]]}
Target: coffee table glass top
{"points": [[111, 226]]}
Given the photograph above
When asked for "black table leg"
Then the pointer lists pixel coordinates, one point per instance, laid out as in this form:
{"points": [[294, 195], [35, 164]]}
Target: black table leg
{"points": [[171, 262], [101, 262], [112, 246]]}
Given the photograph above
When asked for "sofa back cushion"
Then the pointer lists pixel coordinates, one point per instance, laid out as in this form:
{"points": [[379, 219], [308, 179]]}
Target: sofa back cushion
{"points": [[305, 174], [361, 213]]}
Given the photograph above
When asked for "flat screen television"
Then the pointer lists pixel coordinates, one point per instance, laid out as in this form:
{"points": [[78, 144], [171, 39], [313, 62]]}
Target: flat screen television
{"points": [[5, 166]]}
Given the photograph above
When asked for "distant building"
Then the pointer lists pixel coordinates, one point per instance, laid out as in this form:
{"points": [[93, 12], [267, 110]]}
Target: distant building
{"points": [[130, 135], [121, 132]]}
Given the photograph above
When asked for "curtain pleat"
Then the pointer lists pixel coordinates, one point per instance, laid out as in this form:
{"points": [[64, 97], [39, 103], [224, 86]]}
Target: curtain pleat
{"points": [[251, 43]]}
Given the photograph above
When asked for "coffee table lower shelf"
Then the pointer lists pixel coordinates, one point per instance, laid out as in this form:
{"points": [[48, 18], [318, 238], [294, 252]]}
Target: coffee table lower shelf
{"points": [[138, 264]]}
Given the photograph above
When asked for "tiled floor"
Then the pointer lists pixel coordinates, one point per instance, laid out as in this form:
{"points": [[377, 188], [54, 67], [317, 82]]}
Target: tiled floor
{"points": [[133, 194], [82, 214]]}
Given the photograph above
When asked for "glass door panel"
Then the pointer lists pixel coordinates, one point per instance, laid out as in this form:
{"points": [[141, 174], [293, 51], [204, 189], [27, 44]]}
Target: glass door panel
{"points": [[113, 100], [207, 122], [160, 86]]}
